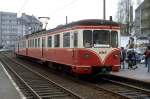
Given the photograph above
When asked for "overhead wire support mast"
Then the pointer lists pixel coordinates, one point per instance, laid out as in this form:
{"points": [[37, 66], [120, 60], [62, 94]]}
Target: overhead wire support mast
{"points": [[46, 20], [104, 9]]}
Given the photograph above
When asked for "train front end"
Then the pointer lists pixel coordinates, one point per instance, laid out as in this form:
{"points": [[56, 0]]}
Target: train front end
{"points": [[100, 52]]}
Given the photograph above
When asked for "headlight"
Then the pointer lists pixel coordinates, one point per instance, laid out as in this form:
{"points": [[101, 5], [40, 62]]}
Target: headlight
{"points": [[86, 56]]}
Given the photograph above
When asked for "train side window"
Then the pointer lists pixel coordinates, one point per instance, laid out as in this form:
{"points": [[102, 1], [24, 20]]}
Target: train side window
{"points": [[28, 43], [38, 42], [24, 44], [31, 43], [49, 40], [35, 43], [87, 38], [66, 39], [43, 42], [75, 42], [57, 40]]}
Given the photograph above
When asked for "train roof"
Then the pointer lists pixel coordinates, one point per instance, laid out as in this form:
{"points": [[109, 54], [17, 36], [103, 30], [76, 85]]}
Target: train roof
{"points": [[86, 22]]}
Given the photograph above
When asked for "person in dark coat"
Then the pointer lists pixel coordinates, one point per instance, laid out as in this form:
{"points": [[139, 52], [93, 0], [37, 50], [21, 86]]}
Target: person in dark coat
{"points": [[131, 59], [123, 57], [147, 56]]}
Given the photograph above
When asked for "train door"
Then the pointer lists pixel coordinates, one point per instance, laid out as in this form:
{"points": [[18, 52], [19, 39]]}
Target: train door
{"points": [[43, 46], [75, 50]]}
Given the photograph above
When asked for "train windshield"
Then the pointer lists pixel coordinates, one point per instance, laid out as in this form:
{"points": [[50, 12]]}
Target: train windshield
{"points": [[100, 38]]}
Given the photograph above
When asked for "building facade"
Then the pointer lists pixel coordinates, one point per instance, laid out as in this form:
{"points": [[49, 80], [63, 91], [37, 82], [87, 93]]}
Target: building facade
{"points": [[142, 19], [28, 24], [8, 29], [12, 27]]}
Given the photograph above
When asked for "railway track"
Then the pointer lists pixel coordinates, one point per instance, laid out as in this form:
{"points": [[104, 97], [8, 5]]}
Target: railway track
{"points": [[35, 85], [124, 90], [118, 89]]}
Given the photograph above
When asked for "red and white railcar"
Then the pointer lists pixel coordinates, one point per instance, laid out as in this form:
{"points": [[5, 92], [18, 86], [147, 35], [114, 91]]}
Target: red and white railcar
{"points": [[82, 47]]}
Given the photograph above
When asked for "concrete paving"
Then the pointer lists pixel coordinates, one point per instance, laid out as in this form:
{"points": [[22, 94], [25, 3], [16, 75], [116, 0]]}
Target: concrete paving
{"points": [[7, 89], [139, 74]]}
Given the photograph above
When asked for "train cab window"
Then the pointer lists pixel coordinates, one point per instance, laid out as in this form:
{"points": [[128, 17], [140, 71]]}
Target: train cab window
{"points": [[101, 38], [66, 39], [114, 38], [75, 42], [35, 43], [87, 38], [57, 40], [38, 42], [49, 40]]}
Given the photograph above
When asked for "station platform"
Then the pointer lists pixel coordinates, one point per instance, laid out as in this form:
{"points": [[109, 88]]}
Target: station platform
{"points": [[139, 73], [8, 90]]}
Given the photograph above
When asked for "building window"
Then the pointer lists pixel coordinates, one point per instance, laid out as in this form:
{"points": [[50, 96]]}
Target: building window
{"points": [[66, 40], [49, 44], [57, 40]]}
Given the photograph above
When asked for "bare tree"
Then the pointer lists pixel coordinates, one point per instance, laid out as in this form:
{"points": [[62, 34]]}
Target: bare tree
{"points": [[125, 16]]}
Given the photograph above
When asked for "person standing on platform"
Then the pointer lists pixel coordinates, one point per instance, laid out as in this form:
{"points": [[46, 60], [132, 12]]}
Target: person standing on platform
{"points": [[123, 57], [147, 56], [131, 59]]}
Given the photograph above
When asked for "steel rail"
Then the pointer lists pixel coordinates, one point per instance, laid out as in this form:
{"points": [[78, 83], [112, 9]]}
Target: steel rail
{"points": [[35, 94], [50, 81], [130, 88]]}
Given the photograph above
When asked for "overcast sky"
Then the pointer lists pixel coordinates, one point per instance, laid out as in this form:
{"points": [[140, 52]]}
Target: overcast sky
{"points": [[58, 9]]}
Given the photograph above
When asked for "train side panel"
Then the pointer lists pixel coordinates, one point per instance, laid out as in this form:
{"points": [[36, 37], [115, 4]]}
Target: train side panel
{"points": [[60, 55], [35, 53]]}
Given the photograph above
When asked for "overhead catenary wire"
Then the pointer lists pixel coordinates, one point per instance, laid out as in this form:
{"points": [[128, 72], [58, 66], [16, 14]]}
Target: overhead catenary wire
{"points": [[23, 6], [62, 8]]}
